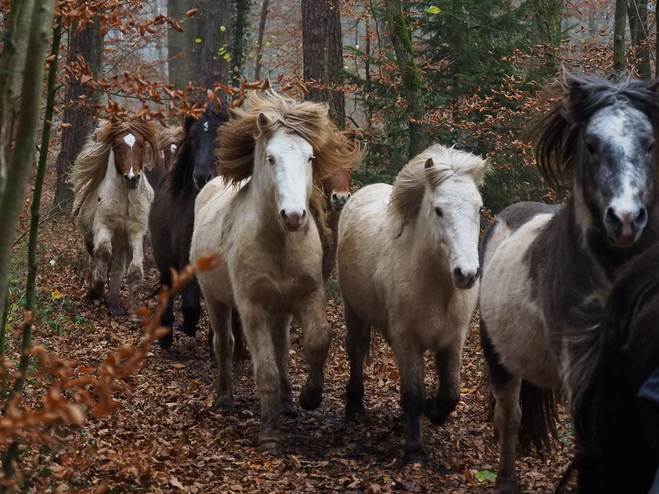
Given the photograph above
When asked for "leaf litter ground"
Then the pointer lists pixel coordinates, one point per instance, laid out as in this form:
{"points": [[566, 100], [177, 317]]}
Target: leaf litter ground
{"points": [[166, 437]]}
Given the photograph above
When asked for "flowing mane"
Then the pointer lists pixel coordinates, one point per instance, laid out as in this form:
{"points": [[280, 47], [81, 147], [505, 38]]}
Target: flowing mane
{"points": [[91, 164], [582, 95], [170, 135], [333, 150], [410, 184]]}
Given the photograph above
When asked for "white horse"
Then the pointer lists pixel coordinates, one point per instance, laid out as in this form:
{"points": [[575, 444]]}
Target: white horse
{"points": [[269, 245], [112, 202], [408, 265]]}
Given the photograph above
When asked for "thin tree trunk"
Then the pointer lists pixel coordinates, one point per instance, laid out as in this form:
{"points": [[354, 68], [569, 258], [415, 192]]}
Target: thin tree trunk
{"points": [[238, 39], [323, 54], [259, 42], [656, 47], [87, 43], [619, 36], [26, 133], [31, 284], [367, 70], [409, 74], [548, 16], [637, 10], [12, 63], [214, 66], [176, 45]]}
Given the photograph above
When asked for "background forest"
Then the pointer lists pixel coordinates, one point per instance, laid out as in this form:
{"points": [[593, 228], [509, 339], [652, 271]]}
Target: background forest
{"points": [[407, 73]]}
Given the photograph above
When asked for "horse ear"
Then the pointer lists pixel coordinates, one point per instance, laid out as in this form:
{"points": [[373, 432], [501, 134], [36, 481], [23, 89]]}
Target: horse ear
{"points": [[429, 163], [574, 88], [481, 171], [263, 121]]}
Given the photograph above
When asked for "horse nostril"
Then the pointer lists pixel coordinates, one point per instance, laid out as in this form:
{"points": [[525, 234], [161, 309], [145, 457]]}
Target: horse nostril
{"points": [[335, 197], [458, 274], [304, 216], [348, 196], [641, 218], [478, 272], [611, 216], [282, 214]]}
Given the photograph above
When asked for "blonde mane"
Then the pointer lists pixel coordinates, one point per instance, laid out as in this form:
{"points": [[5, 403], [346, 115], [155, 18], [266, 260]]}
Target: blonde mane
{"points": [[332, 149], [91, 164], [170, 135], [410, 184]]}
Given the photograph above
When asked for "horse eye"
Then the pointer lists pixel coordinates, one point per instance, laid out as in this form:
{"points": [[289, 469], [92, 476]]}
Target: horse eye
{"points": [[311, 158], [439, 212], [590, 148], [651, 148], [270, 160]]}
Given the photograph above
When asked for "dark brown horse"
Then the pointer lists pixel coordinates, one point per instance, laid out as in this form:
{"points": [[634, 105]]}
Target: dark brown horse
{"points": [[172, 215], [337, 192]]}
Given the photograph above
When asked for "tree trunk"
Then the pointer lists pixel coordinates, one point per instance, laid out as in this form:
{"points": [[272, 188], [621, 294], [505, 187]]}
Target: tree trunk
{"points": [[238, 39], [22, 155], [409, 74], [259, 42], [176, 44], [31, 284], [87, 43], [619, 36], [323, 54], [214, 65], [638, 27], [12, 63], [548, 16]]}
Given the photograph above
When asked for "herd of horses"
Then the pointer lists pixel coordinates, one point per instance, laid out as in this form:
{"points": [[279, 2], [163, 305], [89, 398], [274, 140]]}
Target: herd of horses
{"points": [[568, 295]]}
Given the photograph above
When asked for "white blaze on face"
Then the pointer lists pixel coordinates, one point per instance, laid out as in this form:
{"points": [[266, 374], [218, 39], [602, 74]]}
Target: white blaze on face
{"points": [[291, 171], [131, 174], [172, 148], [130, 140], [205, 126]]}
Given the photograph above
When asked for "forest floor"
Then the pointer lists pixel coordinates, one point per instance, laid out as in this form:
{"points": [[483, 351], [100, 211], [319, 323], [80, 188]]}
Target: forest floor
{"points": [[166, 437]]}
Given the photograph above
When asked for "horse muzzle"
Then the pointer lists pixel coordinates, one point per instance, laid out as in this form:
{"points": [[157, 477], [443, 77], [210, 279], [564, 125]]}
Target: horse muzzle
{"points": [[131, 182], [624, 227], [292, 220], [464, 279], [202, 178], [339, 200]]}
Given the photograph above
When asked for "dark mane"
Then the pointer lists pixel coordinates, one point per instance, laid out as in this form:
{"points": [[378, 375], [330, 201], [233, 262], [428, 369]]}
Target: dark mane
{"points": [[582, 96], [180, 176]]}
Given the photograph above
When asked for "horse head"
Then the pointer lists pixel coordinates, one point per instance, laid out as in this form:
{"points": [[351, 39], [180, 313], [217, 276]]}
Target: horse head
{"points": [[604, 134], [337, 186], [202, 134], [453, 210], [128, 149]]}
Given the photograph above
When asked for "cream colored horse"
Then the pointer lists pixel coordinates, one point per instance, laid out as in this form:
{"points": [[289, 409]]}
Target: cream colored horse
{"points": [[112, 203], [408, 265], [269, 245]]}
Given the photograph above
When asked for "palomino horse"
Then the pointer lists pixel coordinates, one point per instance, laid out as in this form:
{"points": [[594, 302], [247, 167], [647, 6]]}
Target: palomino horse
{"points": [[112, 203], [336, 189], [408, 265], [547, 272], [269, 247], [616, 416], [172, 215]]}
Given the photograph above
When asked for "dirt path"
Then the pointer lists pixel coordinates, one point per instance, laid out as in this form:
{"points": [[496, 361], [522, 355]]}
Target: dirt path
{"points": [[166, 437]]}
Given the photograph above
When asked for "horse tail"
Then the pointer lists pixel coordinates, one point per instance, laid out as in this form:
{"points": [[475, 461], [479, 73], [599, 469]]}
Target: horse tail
{"points": [[539, 417]]}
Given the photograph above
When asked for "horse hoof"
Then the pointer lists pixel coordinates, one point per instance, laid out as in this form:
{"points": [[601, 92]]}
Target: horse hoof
{"points": [[416, 458], [506, 486], [166, 341], [436, 415], [224, 403], [288, 409], [114, 310], [310, 398], [93, 294], [269, 444], [355, 413], [189, 329]]}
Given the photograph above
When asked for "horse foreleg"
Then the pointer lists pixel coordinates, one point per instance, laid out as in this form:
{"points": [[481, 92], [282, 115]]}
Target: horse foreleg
{"points": [[358, 340], [220, 319], [281, 341], [317, 339], [191, 307], [258, 331], [507, 419], [167, 315], [99, 261], [447, 361], [117, 274], [135, 270], [413, 398]]}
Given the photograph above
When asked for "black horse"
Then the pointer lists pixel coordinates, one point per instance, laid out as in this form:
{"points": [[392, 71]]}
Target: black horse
{"points": [[616, 417], [171, 219]]}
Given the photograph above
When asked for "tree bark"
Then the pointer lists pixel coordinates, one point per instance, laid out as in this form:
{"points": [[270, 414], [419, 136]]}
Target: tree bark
{"points": [[12, 63], [23, 153], [619, 36], [238, 39], [176, 44], [88, 43], [637, 10], [323, 54], [214, 66], [411, 80], [548, 16], [259, 42]]}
